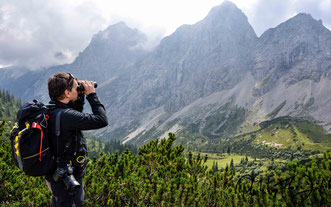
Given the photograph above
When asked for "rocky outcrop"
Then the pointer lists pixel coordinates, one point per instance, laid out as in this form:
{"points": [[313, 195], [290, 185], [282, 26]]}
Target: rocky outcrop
{"points": [[298, 49]]}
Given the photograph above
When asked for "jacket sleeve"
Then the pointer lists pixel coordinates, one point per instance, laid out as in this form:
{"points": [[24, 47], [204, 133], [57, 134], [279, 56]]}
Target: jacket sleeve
{"points": [[75, 120], [79, 103]]}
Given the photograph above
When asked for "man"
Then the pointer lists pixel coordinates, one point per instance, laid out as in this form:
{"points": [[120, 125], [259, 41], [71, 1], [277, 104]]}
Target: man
{"points": [[71, 145]]}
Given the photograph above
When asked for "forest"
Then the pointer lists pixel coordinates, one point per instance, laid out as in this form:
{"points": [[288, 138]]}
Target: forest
{"points": [[163, 173], [8, 105]]}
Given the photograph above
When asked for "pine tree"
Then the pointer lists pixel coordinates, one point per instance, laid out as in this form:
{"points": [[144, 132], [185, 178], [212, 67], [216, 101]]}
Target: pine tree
{"points": [[214, 166], [7, 99], [3, 93], [7, 112], [12, 99], [232, 165], [19, 102]]}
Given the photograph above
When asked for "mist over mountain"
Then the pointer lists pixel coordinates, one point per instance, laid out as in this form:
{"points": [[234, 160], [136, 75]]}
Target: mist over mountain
{"points": [[215, 77], [108, 54]]}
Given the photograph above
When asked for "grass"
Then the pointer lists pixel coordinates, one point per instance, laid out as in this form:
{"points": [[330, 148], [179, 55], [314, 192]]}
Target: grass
{"points": [[94, 145], [247, 129], [314, 132], [223, 159], [294, 135]]}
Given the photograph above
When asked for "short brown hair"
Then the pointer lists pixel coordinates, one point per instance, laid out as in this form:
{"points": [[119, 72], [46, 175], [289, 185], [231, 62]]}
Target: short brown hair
{"points": [[58, 83]]}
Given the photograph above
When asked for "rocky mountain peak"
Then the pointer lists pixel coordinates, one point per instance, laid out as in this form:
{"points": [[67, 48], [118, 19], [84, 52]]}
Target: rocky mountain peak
{"points": [[301, 31], [302, 19], [295, 47], [116, 38], [228, 16], [111, 50], [224, 9], [225, 30], [300, 26], [119, 33], [118, 26]]}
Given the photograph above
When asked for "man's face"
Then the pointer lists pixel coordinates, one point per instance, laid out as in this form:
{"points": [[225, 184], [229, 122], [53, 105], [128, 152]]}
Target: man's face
{"points": [[73, 92]]}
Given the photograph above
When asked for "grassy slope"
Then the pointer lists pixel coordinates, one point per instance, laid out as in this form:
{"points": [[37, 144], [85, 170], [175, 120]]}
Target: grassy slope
{"points": [[224, 160], [294, 135], [282, 133]]}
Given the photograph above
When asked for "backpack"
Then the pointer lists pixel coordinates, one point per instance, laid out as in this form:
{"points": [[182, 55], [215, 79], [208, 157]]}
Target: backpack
{"points": [[29, 140]]}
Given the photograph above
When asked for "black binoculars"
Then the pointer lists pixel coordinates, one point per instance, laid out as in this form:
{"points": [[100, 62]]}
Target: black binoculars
{"points": [[80, 87]]}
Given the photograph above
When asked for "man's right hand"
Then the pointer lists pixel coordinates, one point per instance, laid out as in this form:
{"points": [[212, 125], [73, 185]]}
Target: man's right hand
{"points": [[88, 86]]}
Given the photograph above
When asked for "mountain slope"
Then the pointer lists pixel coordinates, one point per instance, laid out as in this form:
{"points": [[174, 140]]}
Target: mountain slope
{"points": [[191, 63], [223, 86]]}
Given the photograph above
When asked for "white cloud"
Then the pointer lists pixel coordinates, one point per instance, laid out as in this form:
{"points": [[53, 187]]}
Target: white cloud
{"points": [[32, 33], [38, 33]]}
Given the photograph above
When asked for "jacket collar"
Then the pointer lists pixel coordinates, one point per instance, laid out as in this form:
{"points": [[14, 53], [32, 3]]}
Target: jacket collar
{"points": [[59, 104]]}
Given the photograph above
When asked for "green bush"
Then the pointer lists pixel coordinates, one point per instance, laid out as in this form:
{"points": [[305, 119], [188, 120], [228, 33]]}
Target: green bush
{"points": [[160, 175]]}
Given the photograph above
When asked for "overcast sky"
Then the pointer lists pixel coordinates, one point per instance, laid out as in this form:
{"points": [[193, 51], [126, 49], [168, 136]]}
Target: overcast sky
{"points": [[41, 33]]}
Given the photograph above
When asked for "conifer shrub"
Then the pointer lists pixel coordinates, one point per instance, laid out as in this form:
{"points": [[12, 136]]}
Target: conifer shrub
{"points": [[160, 175]]}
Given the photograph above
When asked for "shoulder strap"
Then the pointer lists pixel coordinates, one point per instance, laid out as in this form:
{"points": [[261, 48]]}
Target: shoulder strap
{"points": [[57, 133]]}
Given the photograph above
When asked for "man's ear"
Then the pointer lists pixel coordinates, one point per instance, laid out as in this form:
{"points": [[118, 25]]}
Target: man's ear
{"points": [[67, 93]]}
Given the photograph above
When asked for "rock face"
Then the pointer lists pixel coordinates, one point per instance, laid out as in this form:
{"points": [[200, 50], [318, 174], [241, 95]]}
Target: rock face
{"points": [[298, 48], [215, 77], [109, 53], [194, 62]]}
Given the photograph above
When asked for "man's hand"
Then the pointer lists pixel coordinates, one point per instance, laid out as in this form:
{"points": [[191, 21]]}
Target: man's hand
{"points": [[88, 86]]}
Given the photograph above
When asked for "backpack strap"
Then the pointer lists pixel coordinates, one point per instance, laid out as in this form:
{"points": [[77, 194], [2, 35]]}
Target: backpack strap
{"points": [[38, 126], [57, 134]]}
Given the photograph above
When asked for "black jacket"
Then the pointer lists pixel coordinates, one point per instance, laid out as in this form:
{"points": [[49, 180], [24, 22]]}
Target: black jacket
{"points": [[71, 143]]}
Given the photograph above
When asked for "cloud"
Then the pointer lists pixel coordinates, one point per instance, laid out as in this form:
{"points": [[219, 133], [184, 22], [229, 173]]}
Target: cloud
{"points": [[34, 33], [38, 33], [268, 14], [320, 9]]}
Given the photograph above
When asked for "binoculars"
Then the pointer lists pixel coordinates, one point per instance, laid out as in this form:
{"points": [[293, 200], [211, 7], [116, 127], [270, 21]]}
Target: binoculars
{"points": [[80, 87]]}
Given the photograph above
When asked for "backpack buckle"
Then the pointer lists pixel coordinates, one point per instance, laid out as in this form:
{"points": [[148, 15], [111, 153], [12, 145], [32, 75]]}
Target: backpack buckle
{"points": [[44, 123]]}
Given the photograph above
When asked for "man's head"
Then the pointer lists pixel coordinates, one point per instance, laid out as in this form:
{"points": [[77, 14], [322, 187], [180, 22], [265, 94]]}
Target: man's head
{"points": [[62, 87]]}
